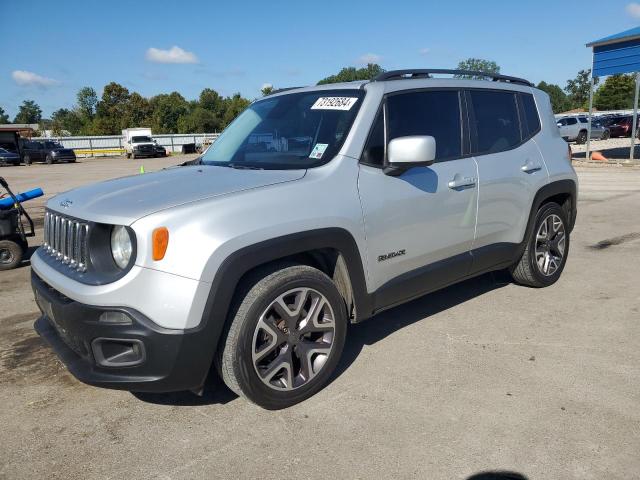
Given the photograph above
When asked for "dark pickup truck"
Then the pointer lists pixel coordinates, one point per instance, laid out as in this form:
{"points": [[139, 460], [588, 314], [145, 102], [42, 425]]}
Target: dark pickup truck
{"points": [[46, 151]]}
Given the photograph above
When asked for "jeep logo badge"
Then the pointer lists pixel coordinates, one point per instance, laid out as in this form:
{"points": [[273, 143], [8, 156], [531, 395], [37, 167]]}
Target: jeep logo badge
{"points": [[66, 203]]}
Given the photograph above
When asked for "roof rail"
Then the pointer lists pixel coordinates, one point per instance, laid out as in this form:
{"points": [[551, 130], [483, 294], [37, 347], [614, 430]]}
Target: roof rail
{"points": [[427, 72], [280, 90]]}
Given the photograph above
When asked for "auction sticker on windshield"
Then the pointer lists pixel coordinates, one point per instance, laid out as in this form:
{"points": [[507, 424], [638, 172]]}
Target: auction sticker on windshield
{"points": [[334, 103], [318, 150]]}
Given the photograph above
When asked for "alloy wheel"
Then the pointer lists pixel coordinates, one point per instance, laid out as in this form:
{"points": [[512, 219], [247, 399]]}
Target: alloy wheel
{"points": [[6, 256], [550, 245], [293, 339]]}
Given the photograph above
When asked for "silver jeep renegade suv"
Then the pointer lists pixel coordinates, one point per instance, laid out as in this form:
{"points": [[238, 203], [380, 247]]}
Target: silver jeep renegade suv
{"points": [[316, 207]]}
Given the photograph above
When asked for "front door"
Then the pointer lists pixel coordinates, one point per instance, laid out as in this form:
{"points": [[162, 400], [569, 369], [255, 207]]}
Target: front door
{"points": [[419, 225]]}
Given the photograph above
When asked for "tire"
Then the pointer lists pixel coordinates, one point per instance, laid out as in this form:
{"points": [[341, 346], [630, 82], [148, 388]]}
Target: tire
{"points": [[540, 255], [27, 160], [11, 254], [581, 138], [48, 159], [128, 155], [605, 135], [254, 321]]}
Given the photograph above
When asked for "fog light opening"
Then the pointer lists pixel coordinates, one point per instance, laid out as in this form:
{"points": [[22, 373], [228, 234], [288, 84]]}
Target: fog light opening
{"points": [[117, 318]]}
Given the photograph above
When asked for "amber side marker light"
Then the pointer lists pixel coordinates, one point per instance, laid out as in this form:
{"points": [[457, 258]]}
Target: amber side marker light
{"points": [[160, 242]]}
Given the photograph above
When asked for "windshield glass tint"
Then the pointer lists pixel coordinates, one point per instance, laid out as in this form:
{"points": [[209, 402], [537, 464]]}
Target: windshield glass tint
{"points": [[141, 139], [298, 130]]}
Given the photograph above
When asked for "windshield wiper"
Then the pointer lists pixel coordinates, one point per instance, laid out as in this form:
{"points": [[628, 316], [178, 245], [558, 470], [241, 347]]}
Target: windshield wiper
{"points": [[238, 166]]}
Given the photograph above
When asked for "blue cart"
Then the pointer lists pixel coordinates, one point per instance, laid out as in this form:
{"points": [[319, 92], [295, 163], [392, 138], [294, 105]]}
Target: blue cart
{"points": [[15, 227]]}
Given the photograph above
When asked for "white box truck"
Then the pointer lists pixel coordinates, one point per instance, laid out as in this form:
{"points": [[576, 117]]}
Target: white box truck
{"points": [[138, 143]]}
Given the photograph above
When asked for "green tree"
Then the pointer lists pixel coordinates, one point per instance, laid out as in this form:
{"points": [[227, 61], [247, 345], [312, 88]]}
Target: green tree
{"points": [[28, 112], [478, 65], [139, 111], [4, 118], [559, 100], [87, 101], [578, 89], [234, 106], [616, 93], [267, 89], [111, 110], [199, 120], [166, 110], [349, 74], [69, 120]]}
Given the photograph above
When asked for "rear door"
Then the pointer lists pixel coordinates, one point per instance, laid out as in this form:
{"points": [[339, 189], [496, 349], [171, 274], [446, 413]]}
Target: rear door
{"points": [[503, 126], [419, 225]]}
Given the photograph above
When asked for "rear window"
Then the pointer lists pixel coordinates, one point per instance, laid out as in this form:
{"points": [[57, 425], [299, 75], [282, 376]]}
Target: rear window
{"points": [[529, 118], [496, 122]]}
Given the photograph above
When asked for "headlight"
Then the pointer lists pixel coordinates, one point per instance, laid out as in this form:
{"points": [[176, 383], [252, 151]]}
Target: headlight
{"points": [[121, 246]]}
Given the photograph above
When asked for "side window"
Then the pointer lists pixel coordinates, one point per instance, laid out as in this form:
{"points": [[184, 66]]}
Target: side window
{"points": [[435, 113], [583, 120], [496, 121], [529, 117], [562, 122], [571, 121], [374, 150]]}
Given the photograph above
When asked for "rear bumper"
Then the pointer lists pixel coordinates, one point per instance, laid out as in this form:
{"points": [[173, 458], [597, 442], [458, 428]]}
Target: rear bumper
{"points": [[137, 356]]}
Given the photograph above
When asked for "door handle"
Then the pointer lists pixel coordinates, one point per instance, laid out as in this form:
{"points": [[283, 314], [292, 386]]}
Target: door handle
{"points": [[530, 167], [461, 182]]}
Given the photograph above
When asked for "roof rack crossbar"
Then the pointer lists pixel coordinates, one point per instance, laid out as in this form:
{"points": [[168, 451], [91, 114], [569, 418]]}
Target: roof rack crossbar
{"points": [[427, 72]]}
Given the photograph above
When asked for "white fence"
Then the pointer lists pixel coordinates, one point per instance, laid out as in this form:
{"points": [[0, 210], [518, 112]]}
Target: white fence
{"points": [[109, 145]]}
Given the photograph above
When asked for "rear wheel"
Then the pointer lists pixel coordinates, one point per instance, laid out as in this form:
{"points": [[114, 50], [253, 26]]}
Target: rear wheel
{"points": [[27, 160], [285, 336], [605, 135], [10, 254], [545, 254], [48, 159]]}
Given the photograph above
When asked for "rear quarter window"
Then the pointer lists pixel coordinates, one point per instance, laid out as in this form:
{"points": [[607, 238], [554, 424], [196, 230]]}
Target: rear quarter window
{"points": [[529, 117], [495, 121]]}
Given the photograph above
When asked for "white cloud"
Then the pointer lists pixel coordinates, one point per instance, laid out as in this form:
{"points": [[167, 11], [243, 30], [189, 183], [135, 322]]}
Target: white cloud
{"points": [[424, 51], [633, 9], [174, 55], [24, 78], [369, 58]]}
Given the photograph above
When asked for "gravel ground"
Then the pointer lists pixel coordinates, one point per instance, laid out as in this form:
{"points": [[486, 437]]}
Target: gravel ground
{"points": [[482, 376]]}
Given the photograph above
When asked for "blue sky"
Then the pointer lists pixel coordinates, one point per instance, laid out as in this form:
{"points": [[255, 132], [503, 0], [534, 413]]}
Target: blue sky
{"points": [[52, 49]]}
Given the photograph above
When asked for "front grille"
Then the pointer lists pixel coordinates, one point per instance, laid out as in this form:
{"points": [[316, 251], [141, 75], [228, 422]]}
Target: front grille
{"points": [[66, 240]]}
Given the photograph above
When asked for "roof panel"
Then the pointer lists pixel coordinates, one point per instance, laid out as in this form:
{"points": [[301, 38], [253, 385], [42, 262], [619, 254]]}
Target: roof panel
{"points": [[617, 37]]}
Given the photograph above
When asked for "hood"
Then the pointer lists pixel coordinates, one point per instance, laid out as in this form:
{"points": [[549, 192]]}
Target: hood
{"points": [[125, 200]]}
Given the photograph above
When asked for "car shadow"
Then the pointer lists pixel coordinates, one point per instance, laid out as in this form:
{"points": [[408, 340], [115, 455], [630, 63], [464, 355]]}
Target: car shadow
{"points": [[214, 392], [390, 321], [26, 259], [497, 475], [359, 335]]}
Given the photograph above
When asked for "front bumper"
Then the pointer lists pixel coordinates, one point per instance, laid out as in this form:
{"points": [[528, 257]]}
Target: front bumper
{"points": [[138, 356]]}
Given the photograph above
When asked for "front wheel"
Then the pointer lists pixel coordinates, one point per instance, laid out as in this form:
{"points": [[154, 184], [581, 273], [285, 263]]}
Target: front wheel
{"points": [[10, 254], [285, 336], [27, 160], [48, 159], [606, 135], [582, 138], [545, 254]]}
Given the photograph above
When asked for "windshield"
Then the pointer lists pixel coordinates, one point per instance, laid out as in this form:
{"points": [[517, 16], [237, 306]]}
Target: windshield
{"points": [[298, 130], [144, 139], [52, 145]]}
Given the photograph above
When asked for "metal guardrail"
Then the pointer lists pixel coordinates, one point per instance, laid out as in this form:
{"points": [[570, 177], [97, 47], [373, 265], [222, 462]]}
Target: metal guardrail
{"points": [[110, 145]]}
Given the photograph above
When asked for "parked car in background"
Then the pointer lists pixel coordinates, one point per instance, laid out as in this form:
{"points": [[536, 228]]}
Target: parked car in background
{"points": [[621, 126], [575, 129], [9, 158], [47, 151], [160, 151], [138, 142]]}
